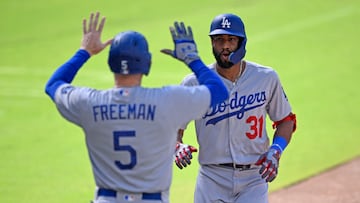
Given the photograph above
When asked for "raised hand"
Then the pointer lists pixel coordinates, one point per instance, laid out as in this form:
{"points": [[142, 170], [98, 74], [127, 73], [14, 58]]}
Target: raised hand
{"points": [[91, 41], [185, 48]]}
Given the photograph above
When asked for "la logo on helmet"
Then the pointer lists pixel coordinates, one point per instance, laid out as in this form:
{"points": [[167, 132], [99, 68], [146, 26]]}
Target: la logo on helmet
{"points": [[225, 22]]}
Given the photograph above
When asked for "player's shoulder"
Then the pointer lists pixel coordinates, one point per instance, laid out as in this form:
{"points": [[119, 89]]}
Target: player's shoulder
{"points": [[191, 79], [261, 69], [158, 92], [77, 95], [172, 93], [177, 89], [68, 89]]}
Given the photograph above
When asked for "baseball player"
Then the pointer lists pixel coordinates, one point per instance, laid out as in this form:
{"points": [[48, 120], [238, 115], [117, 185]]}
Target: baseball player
{"points": [[130, 130], [235, 155]]}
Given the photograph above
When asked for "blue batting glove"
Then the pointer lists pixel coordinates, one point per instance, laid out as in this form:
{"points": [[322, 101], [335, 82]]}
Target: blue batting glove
{"points": [[185, 47]]}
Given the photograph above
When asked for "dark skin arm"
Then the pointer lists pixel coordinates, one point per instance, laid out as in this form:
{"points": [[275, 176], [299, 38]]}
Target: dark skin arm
{"points": [[285, 129], [180, 135]]}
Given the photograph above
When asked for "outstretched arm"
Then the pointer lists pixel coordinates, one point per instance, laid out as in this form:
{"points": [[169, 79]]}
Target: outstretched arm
{"points": [[186, 51], [90, 45]]}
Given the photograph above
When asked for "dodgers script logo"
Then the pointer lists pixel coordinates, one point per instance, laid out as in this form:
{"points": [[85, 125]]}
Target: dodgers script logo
{"points": [[225, 23], [237, 107]]}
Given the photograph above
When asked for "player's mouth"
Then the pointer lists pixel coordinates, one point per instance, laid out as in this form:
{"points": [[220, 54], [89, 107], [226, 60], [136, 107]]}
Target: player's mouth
{"points": [[225, 55]]}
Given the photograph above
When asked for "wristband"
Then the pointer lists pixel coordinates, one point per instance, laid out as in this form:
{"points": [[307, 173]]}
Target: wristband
{"points": [[279, 143]]}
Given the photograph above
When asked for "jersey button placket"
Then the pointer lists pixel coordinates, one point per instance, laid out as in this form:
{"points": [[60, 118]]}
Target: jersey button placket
{"points": [[230, 124]]}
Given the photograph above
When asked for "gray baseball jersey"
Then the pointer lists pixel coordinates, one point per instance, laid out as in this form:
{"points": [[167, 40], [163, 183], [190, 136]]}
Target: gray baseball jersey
{"points": [[131, 132], [235, 131]]}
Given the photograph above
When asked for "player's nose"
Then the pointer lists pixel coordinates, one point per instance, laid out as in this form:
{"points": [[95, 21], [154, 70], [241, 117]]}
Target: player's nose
{"points": [[226, 45]]}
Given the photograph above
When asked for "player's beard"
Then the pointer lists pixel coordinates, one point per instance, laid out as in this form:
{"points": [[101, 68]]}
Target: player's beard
{"points": [[221, 63]]}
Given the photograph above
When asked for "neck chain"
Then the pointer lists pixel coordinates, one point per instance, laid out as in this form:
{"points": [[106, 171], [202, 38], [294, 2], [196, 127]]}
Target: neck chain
{"points": [[240, 71]]}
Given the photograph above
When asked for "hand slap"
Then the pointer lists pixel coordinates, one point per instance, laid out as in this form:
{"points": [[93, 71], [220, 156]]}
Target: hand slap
{"points": [[91, 41], [185, 48]]}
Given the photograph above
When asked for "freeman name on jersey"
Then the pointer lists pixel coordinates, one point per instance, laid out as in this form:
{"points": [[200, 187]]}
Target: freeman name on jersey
{"points": [[124, 111]]}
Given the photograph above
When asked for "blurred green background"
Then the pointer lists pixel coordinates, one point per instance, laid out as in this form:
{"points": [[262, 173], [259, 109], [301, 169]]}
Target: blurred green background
{"points": [[312, 45]]}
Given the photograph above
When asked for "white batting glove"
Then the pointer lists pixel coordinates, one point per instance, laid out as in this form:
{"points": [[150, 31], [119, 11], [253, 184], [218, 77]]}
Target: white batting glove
{"points": [[183, 154], [269, 162]]}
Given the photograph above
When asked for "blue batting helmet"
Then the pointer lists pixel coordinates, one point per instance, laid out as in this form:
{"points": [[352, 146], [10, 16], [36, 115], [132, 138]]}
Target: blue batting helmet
{"points": [[230, 24], [129, 54]]}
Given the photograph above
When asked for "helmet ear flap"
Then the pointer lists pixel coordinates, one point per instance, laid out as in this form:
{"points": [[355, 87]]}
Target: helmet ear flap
{"points": [[236, 56]]}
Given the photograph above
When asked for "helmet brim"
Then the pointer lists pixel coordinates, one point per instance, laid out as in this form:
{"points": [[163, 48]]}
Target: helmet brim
{"points": [[224, 32]]}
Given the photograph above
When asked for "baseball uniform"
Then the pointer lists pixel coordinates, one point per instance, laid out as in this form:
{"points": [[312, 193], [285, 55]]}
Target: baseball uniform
{"points": [[235, 132]]}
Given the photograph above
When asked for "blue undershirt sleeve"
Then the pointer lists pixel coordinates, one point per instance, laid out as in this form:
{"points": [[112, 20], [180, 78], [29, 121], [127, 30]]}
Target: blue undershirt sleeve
{"points": [[66, 72], [207, 77]]}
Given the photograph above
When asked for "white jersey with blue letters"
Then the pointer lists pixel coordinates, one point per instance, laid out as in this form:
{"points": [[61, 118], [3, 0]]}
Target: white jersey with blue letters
{"points": [[112, 118], [235, 130]]}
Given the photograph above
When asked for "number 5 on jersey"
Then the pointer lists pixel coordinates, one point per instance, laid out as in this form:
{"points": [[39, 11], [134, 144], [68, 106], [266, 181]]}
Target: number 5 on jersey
{"points": [[125, 148]]}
